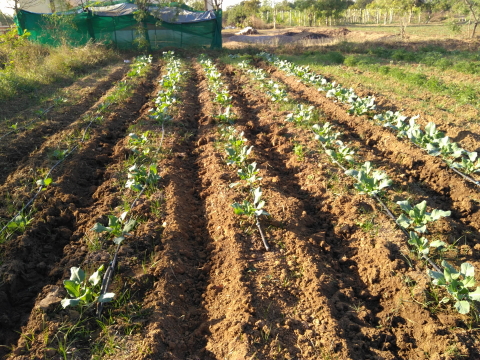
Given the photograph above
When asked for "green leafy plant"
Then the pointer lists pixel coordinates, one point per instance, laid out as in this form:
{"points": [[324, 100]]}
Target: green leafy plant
{"points": [[251, 209], [325, 133], [417, 217], [84, 292], [469, 164], [422, 245], [140, 177], [249, 174], [44, 182], [117, 227], [342, 154], [19, 223], [369, 182], [457, 284]]}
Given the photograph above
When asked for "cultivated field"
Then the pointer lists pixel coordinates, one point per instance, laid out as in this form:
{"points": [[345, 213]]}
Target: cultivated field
{"points": [[164, 149]]}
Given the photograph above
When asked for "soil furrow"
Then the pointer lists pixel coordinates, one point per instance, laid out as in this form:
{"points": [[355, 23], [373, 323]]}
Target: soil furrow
{"points": [[227, 299], [367, 289], [34, 259], [407, 165], [15, 148], [176, 328]]}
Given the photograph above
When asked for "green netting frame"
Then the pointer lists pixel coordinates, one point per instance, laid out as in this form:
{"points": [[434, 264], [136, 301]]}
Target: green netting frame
{"points": [[119, 31]]}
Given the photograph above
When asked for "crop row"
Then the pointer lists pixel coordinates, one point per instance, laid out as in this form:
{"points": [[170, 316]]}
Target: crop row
{"points": [[142, 176], [24, 216], [236, 150], [433, 141], [414, 219]]}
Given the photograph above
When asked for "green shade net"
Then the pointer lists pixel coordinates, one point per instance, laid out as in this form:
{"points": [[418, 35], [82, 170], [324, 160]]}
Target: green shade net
{"points": [[120, 31]]}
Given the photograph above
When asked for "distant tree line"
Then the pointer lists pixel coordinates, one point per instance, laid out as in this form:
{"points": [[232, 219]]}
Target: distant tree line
{"points": [[335, 12]]}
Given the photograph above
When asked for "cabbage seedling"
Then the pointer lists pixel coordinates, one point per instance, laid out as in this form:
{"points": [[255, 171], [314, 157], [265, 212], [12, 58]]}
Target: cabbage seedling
{"points": [[249, 174], [371, 183], [325, 133], [251, 209], [342, 153], [469, 164], [117, 227], [139, 177], [417, 216], [84, 292], [457, 284], [421, 244]]}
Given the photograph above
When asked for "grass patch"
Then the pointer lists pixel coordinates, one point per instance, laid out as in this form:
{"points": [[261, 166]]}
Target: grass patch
{"points": [[25, 67]]}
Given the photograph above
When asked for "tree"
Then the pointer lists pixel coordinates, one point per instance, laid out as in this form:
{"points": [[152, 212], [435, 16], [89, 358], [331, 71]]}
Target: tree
{"points": [[467, 7]]}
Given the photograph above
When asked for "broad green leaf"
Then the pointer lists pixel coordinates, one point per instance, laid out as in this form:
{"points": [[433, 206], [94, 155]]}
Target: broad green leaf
{"points": [[463, 307], [467, 270], [95, 278], [69, 302], [257, 194], [107, 297], [99, 228], [72, 287], [475, 295], [404, 205], [118, 240], [404, 221], [437, 214], [444, 300], [77, 274], [421, 229], [129, 225], [437, 243], [469, 282]]}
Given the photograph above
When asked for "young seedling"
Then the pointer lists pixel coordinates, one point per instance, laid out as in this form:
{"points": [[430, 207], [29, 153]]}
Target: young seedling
{"points": [[236, 155], [140, 177], [445, 148], [249, 174], [469, 164], [457, 284], [421, 244], [117, 227], [19, 223], [253, 209], [342, 154], [371, 183], [226, 117], [362, 106], [417, 217], [84, 292], [325, 133]]}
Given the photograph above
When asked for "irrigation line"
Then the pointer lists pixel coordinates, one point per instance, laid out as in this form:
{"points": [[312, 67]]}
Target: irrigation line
{"points": [[46, 177], [465, 176], [107, 277], [261, 233], [30, 122], [405, 232]]}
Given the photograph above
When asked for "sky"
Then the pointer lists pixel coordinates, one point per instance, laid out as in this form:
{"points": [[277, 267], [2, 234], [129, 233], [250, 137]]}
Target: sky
{"points": [[3, 7]]}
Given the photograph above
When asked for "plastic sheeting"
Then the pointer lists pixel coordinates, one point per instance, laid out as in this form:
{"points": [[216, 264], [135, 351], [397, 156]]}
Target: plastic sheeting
{"points": [[116, 25]]}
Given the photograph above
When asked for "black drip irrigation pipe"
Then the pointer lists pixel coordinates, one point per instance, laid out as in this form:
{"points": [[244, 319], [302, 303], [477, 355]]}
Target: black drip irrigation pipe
{"points": [[465, 176], [30, 122], [261, 233], [48, 174], [107, 277]]}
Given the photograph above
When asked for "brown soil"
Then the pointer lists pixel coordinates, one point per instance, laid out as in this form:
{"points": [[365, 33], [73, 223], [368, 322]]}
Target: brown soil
{"points": [[43, 253], [16, 147], [199, 281]]}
